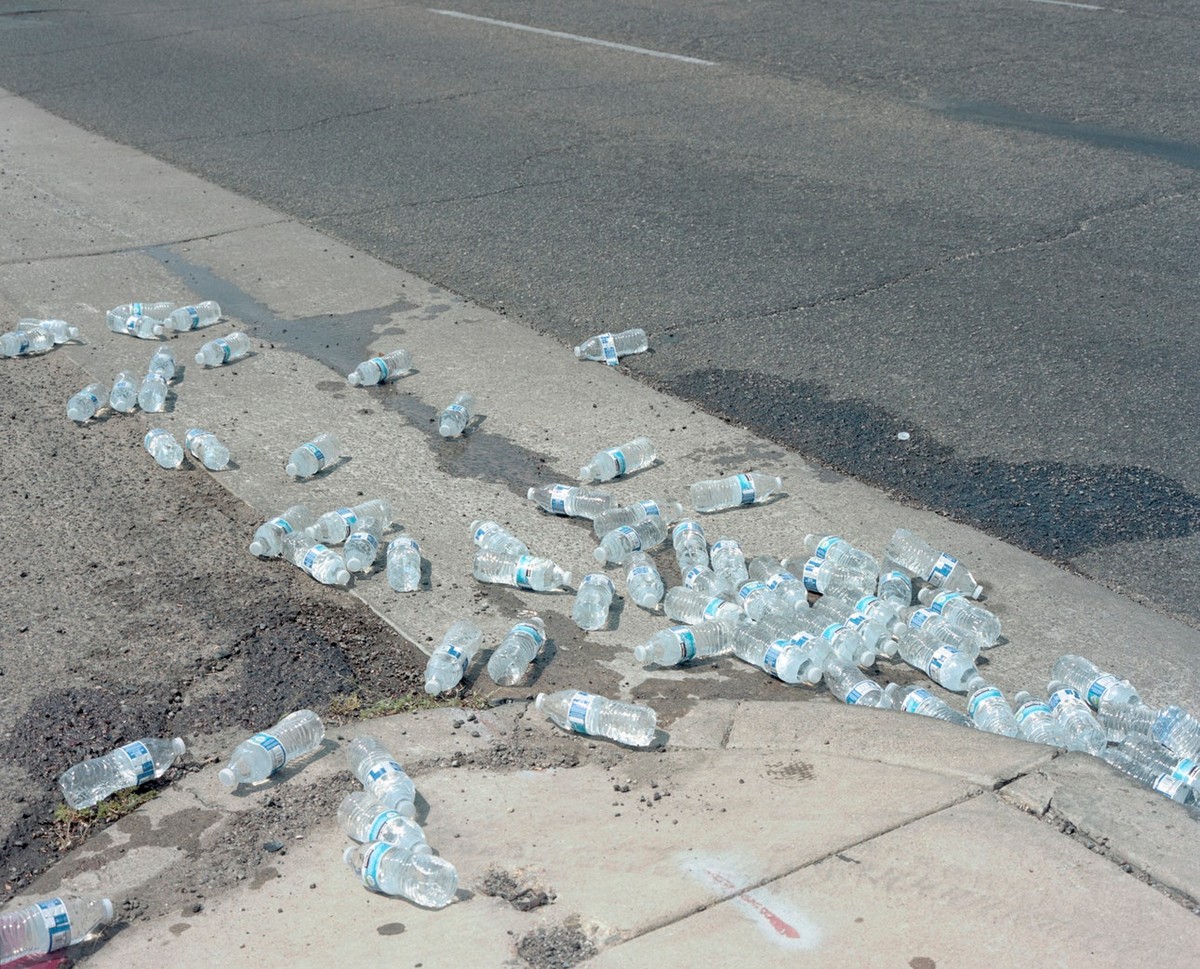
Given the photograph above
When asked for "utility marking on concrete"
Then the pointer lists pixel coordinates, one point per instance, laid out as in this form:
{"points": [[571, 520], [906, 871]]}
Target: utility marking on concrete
{"points": [[1067, 3], [786, 928], [629, 48]]}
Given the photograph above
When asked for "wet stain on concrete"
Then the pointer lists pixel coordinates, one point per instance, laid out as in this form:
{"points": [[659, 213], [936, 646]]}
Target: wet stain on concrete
{"points": [[390, 928], [921, 962]]}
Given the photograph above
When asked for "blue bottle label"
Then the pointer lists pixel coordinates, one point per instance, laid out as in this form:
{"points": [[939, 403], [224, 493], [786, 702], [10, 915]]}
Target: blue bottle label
{"points": [[942, 569], [640, 572], [746, 486], [458, 656], [93, 398], [577, 710], [135, 309], [193, 317], [273, 747], [938, 602], [316, 452], [713, 609], [282, 524], [1032, 709], [692, 574], [865, 603], [382, 818], [525, 629], [608, 347], [405, 544], [811, 574], [915, 699], [829, 633], [749, 589], [773, 582], [991, 693], [225, 348], [141, 761], [941, 656], [57, 922], [380, 771], [370, 869], [618, 457], [558, 498], [1098, 687], [686, 529], [825, 545], [347, 515], [602, 581], [859, 690], [726, 545], [483, 531], [383, 368], [523, 577], [632, 538], [365, 537], [687, 642], [650, 507], [1065, 695], [770, 660], [310, 557], [456, 409], [1168, 785], [920, 617]]}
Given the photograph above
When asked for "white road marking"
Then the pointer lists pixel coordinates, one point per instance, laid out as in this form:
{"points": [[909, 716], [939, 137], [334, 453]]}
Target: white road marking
{"points": [[1066, 3], [583, 40]]}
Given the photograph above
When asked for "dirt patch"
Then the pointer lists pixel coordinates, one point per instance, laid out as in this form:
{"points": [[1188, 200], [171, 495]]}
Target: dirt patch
{"points": [[518, 888], [557, 947]]}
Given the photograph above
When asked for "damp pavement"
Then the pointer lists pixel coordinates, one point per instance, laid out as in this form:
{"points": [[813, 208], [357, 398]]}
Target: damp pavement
{"points": [[783, 829]]}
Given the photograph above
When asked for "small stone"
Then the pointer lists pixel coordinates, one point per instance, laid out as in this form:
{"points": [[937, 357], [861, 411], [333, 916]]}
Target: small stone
{"points": [[273, 845]]}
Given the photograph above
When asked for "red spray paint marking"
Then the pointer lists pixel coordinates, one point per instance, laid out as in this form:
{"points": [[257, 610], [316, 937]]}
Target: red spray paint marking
{"points": [[779, 925]]}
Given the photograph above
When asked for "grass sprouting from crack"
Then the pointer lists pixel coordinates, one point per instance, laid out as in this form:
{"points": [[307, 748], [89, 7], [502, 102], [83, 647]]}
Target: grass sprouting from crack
{"points": [[71, 826]]}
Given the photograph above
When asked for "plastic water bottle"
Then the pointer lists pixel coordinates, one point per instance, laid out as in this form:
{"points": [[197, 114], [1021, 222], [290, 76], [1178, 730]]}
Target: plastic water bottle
{"points": [[821, 575], [682, 644], [576, 502], [716, 494], [756, 599], [964, 615], [875, 608], [1148, 774], [618, 461], [60, 330], [990, 711], [362, 545], [593, 599], [1093, 684], [848, 641], [124, 394], [610, 347], [333, 526], [1082, 730], [896, 587], [1184, 768], [454, 419], [701, 579], [919, 558], [691, 547], [693, 608], [381, 370], [223, 350], [313, 456], [729, 562], [143, 760], [381, 775], [789, 592], [366, 819], [1036, 723], [621, 543], [118, 315], [163, 447], [847, 683], [268, 540], [918, 700], [932, 628], [874, 635], [494, 537], [523, 571], [163, 362], [321, 562], [448, 663], [420, 877], [205, 313], [838, 550], [667, 511], [945, 665], [643, 584], [1178, 731], [84, 405], [1122, 720], [785, 660], [24, 343], [50, 925], [152, 394], [588, 713], [256, 759], [206, 448], [516, 651], [404, 564]]}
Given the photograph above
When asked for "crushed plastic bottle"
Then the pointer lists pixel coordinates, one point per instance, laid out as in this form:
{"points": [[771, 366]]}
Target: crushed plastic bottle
{"points": [[268, 540], [610, 347], [848, 684], [223, 350], [1036, 723], [790, 662], [593, 599], [919, 558], [206, 448], [163, 447], [1082, 730], [573, 501], [729, 562], [155, 312], [693, 608], [381, 775], [454, 419], [597, 716], [990, 710], [918, 700], [333, 526], [523, 571], [667, 511], [388, 869], [163, 362], [314, 456], [381, 370], [494, 537], [50, 925], [789, 592], [895, 585], [962, 614], [1148, 774], [615, 462], [621, 543], [516, 651], [184, 318], [1090, 682], [717, 494], [26, 343], [643, 584], [837, 550], [365, 818], [134, 764], [152, 394], [691, 545], [682, 644], [321, 562], [362, 545], [822, 575], [404, 564], [124, 394], [448, 663], [945, 665], [84, 405], [260, 756]]}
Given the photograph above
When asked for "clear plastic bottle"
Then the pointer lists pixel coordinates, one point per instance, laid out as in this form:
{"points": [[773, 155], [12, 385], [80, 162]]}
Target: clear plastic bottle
{"points": [[60, 330], [918, 700], [206, 448], [124, 394], [333, 526], [681, 644], [643, 584], [362, 545], [756, 599], [163, 362], [729, 562], [321, 562], [365, 818], [848, 684], [791, 662], [932, 628], [990, 711], [268, 540], [1081, 728], [152, 394], [1090, 682], [24, 343], [836, 549], [420, 877], [667, 511], [700, 579], [83, 406], [873, 634], [1121, 720], [454, 419], [789, 592], [610, 347], [875, 608], [693, 608], [260, 756], [958, 611], [448, 663], [945, 665], [919, 558], [50, 925], [184, 318], [117, 316], [597, 716], [381, 370], [716, 494], [846, 641], [616, 462], [136, 763], [223, 350], [593, 599], [494, 537], [142, 327], [573, 501], [1148, 774], [691, 545], [404, 564], [1036, 723], [821, 575], [516, 651], [1178, 731], [381, 775], [163, 447], [895, 586], [523, 571], [621, 543], [1184, 768], [314, 456]]}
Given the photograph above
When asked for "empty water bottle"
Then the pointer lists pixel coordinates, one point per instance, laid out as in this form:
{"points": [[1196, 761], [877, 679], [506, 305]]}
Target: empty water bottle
{"points": [[918, 700], [381, 370], [700, 579], [609, 347], [124, 394], [365, 818], [333, 526], [597, 716], [562, 499], [895, 585], [643, 584], [621, 543], [206, 448], [454, 419], [163, 447], [962, 614], [1149, 774], [802, 661], [738, 489], [163, 362], [60, 330], [990, 711], [495, 537], [848, 684], [205, 313], [693, 608], [24, 343], [362, 545], [1090, 682], [143, 760], [837, 549], [117, 316], [691, 545], [256, 759], [381, 775], [729, 562], [822, 575], [1178, 731], [617, 461], [268, 540], [921, 559], [523, 571], [448, 663], [945, 665], [404, 564], [223, 350], [756, 599], [1036, 723], [516, 651], [84, 405], [313, 456], [388, 869], [682, 644], [1081, 728], [667, 511], [152, 394], [321, 562], [789, 592], [593, 599], [50, 925]]}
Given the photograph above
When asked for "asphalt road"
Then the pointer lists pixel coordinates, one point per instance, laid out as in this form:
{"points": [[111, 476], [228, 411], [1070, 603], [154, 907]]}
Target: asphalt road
{"points": [[972, 221]]}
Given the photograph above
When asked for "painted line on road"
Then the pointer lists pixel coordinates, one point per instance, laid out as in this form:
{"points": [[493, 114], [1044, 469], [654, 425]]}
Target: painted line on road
{"points": [[1067, 3], [576, 37]]}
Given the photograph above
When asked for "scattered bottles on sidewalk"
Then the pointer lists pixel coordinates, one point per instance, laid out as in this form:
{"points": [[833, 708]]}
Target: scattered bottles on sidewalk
{"points": [[593, 599], [362, 545], [163, 447], [682, 644], [124, 394], [381, 775], [666, 511], [918, 700], [610, 347], [739, 489], [388, 869], [118, 316], [919, 558], [206, 448], [597, 716], [268, 540], [522, 571], [1036, 723], [365, 819], [448, 663], [643, 584], [260, 756], [687, 606], [93, 780], [404, 563], [962, 614], [494, 537], [314, 456], [690, 544], [321, 562], [184, 318], [573, 501], [627, 540], [333, 526], [223, 350], [152, 394], [728, 560], [616, 462], [516, 651], [380, 370], [1082, 730], [84, 405], [454, 419], [51, 925], [990, 710]]}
